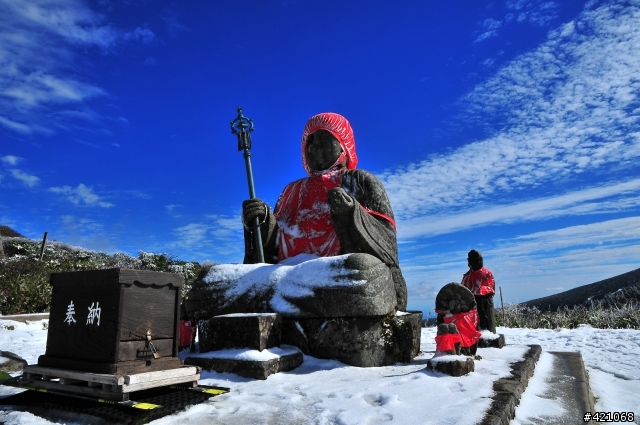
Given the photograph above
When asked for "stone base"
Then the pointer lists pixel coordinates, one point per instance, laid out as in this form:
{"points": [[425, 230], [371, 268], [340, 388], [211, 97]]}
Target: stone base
{"points": [[256, 331], [10, 362], [496, 342], [357, 341], [452, 365], [248, 368]]}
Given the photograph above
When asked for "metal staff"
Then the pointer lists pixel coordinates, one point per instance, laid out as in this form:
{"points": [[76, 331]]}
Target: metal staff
{"points": [[242, 127]]}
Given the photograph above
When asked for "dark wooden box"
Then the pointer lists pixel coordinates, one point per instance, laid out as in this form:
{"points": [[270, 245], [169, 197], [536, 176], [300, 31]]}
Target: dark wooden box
{"points": [[110, 321]]}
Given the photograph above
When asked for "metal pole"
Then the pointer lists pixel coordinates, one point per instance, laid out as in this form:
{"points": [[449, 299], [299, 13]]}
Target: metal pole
{"points": [[242, 127], [44, 241], [504, 323]]}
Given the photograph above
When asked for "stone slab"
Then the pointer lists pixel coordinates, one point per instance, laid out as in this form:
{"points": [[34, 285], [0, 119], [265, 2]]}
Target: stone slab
{"points": [[508, 390], [488, 342], [567, 381], [357, 341], [248, 368], [10, 362], [256, 331], [452, 365]]}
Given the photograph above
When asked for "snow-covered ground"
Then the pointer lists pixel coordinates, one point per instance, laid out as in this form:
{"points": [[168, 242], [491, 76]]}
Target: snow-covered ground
{"points": [[330, 392]]}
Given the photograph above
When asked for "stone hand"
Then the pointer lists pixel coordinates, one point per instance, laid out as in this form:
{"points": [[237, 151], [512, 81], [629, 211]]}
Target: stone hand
{"points": [[340, 202], [251, 209]]}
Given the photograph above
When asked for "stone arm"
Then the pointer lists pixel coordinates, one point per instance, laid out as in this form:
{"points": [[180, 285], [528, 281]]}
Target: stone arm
{"points": [[360, 230], [268, 229]]}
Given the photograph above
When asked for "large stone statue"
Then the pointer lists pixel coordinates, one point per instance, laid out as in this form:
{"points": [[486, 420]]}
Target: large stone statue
{"points": [[332, 267], [337, 210]]}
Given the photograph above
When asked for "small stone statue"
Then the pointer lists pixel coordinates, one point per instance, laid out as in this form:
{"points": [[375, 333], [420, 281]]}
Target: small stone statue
{"points": [[336, 210], [456, 306], [479, 280]]}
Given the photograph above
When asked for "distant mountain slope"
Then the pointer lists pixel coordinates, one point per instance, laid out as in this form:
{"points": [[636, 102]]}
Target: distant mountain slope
{"points": [[8, 232], [610, 291]]}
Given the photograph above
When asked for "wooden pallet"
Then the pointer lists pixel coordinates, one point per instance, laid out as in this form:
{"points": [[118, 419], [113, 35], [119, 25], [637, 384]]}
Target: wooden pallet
{"points": [[112, 387]]}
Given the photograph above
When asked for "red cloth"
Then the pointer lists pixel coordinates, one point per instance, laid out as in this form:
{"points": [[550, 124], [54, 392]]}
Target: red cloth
{"points": [[304, 218], [187, 332], [467, 324], [479, 282], [338, 126], [447, 342], [302, 211]]}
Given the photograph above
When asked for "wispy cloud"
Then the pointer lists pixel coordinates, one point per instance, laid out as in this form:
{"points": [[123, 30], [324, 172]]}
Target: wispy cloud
{"points": [[219, 235], [529, 265], [81, 195], [25, 178], [38, 47], [10, 160], [596, 200], [535, 12], [566, 109], [490, 28], [83, 232]]}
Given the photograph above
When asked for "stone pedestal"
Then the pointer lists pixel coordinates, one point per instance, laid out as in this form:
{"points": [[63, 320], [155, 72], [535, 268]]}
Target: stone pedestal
{"points": [[451, 365], [285, 358], [491, 340], [235, 343], [357, 341], [241, 330]]}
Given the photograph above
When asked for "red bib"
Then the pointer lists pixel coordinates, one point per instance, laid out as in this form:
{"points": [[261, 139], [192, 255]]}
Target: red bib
{"points": [[304, 217]]}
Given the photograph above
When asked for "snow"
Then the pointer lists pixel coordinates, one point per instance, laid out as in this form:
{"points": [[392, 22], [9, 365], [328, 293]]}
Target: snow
{"points": [[247, 315], [294, 277], [246, 353], [330, 392], [488, 335]]}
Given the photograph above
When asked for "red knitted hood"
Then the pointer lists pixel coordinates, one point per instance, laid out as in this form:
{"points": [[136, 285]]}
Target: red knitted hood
{"points": [[338, 126]]}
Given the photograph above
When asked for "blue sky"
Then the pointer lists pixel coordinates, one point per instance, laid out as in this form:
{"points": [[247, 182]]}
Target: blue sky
{"points": [[512, 127]]}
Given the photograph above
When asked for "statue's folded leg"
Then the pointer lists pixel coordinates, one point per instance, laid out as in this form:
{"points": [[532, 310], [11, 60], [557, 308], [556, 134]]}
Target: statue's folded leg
{"points": [[350, 285], [360, 285]]}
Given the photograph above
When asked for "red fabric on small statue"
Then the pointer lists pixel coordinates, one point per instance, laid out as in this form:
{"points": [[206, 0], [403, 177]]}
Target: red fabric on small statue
{"points": [[467, 324], [479, 282], [447, 342]]}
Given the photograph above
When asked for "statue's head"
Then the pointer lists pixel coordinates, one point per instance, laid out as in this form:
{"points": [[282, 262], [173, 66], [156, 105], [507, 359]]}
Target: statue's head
{"points": [[474, 259], [328, 143]]}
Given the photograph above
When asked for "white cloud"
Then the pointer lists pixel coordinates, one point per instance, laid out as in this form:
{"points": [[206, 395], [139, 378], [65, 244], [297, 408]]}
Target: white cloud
{"points": [[15, 126], [85, 233], [81, 195], [527, 265], [565, 110], [536, 12], [490, 27], [38, 45], [25, 178], [218, 235], [192, 234], [615, 197], [10, 159]]}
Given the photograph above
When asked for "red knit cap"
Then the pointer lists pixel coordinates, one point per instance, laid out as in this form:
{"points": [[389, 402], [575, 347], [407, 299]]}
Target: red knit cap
{"points": [[338, 126]]}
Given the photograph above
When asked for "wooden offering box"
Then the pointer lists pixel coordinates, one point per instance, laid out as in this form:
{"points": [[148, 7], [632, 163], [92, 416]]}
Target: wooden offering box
{"points": [[116, 321]]}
